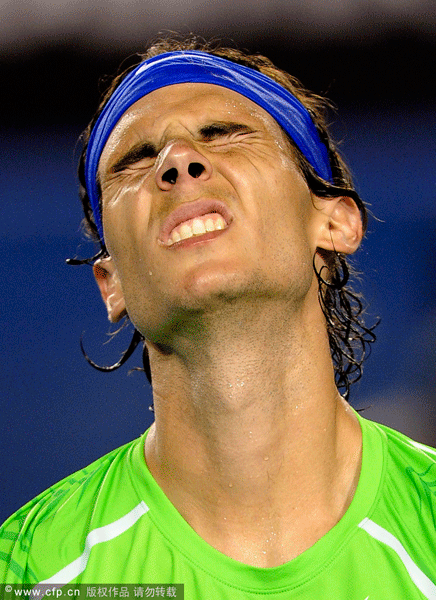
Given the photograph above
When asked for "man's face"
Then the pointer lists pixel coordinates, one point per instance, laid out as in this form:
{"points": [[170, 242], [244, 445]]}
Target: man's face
{"points": [[202, 205]]}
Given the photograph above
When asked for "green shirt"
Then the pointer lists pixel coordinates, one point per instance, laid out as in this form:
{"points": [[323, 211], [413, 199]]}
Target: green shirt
{"points": [[111, 524]]}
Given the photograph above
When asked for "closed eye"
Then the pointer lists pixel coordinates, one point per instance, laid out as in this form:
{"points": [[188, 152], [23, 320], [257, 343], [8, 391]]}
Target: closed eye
{"points": [[134, 155], [221, 130], [212, 132]]}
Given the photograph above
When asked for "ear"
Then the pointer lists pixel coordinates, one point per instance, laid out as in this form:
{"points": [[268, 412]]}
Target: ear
{"points": [[109, 283], [341, 228]]}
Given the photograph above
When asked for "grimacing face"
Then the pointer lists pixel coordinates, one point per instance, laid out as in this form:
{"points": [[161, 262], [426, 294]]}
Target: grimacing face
{"points": [[203, 204]]}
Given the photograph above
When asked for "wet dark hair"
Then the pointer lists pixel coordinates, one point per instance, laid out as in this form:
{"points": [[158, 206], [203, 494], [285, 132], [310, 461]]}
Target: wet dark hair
{"points": [[343, 308]]}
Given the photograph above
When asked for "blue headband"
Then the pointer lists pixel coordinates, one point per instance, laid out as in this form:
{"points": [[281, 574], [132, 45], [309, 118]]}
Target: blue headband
{"points": [[199, 67]]}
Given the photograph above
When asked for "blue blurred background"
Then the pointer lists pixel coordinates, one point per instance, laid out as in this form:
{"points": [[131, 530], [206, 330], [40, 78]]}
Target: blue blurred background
{"points": [[374, 59]]}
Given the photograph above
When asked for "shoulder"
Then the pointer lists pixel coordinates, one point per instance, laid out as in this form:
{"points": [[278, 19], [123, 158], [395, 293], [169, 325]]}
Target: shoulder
{"points": [[406, 463], [403, 453], [411, 471], [400, 450], [406, 499], [65, 510]]}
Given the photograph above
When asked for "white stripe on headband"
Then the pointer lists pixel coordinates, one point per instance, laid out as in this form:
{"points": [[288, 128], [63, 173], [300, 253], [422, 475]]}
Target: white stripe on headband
{"points": [[199, 67]]}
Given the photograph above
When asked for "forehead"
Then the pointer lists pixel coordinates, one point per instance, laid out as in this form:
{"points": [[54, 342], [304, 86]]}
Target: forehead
{"points": [[189, 103]]}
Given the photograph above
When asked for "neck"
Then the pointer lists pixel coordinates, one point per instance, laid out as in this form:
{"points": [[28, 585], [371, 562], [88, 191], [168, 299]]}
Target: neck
{"points": [[248, 424]]}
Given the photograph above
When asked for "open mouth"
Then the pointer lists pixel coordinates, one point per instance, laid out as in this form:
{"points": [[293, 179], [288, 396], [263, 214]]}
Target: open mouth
{"points": [[196, 227], [194, 220]]}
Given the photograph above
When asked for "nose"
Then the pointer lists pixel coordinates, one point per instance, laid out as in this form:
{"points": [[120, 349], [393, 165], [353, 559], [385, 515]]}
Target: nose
{"points": [[181, 163]]}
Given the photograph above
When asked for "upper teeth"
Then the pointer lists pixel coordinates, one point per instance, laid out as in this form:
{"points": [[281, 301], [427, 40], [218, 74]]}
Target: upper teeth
{"points": [[197, 226]]}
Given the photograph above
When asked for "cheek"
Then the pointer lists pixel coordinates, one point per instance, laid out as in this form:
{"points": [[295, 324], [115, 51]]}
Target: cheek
{"points": [[124, 193], [126, 220], [286, 223], [285, 206]]}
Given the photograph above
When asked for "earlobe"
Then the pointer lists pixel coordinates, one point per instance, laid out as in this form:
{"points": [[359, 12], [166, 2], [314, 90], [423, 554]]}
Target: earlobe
{"points": [[342, 230], [109, 284]]}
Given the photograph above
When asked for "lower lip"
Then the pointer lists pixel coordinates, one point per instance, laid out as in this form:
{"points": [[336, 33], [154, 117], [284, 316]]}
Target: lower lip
{"points": [[197, 239]]}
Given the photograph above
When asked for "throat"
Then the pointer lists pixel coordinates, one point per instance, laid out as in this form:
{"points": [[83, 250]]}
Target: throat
{"points": [[252, 443], [268, 515]]}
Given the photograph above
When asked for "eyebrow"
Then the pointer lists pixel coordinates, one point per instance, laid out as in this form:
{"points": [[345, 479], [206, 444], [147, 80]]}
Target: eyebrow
{"points": [[206, 133]]}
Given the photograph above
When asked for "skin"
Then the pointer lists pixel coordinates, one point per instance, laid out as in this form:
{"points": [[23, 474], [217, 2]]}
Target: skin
{"points": [[252, 442]]}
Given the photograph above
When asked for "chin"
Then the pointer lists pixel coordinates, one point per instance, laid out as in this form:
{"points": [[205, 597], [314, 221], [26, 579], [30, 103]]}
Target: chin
{"points": [[205, 286], [185, 301]]}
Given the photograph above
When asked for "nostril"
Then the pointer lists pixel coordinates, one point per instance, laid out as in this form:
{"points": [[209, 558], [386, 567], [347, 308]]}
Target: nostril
{"points": [[195, 169], [170, 176]]}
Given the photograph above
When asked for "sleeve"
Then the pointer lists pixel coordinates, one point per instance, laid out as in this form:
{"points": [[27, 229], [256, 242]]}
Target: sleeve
{"points": [[14, 549]]}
